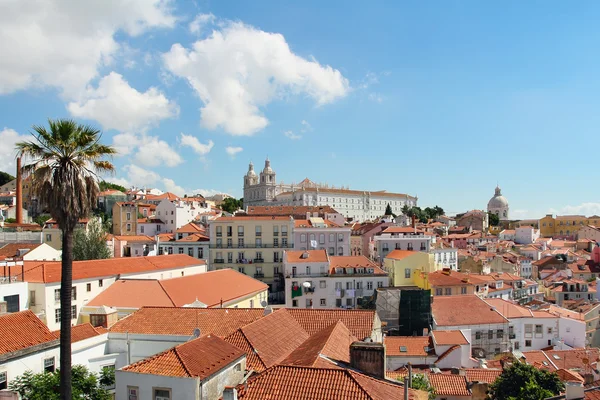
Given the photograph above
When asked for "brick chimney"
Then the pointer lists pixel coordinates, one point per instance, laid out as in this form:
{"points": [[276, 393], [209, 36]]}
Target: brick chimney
{"points": [[19, 193], [368, 357]]}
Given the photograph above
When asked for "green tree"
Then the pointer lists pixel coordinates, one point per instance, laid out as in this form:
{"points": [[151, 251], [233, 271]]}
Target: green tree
{"points": [[420, 382], [405, 210], [522, 381], [46, 385], [10, 220], [388, 210], [493, 219], [231, 205], [5, 178], [65, 158], [103, 185], [41, 219], [90, 244]]}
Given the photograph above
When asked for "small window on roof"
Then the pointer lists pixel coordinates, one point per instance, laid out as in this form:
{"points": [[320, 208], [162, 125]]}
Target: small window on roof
{"points": [[556, 357], [545, 363], [403, 349]]}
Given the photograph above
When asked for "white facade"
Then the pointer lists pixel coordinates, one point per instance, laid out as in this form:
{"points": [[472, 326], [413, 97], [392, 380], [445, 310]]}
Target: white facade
{"points": [[507, 234], [499, 205], [151, 228], [526, 235], [16, 294], [44, 298], [525, 268], [31, 360], [446, 258], [336, 240], [388, 242], [176, 214], [192, 249]]}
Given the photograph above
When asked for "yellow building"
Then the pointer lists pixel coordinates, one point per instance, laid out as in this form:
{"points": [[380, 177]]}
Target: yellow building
{"points": [[124, 218], [402, 264], [252, 245], [52, 235], [496, 229], [565, 225]]}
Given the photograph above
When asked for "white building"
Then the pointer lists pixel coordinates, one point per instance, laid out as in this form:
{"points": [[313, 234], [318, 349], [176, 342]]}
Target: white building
{"points": [[90, 278], [315, 280], [150, 226], [499, 205], [526, 235], [356, 205], [197, 370], [507, 234], [177, 213], [445, 257], [402, 238], [322, 234]]}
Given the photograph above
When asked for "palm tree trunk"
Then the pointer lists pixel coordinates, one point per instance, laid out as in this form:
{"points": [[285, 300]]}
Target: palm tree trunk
{"points": [[65, 314]]}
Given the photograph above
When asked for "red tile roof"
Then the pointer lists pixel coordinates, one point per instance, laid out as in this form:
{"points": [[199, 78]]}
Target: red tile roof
{"points": [[401, 254], [296, 211], [359, 322], [448, 278], [452, 311], [183, 321], [313, 256], [11, 250], [50, 272], [190, 228], [82, 332], [482, 375], [21, 330], [133, 293], [333, 342], [539, 359], [401, 229], [447, 338], [306, 223], [271, 338], [449, 385], [200, 358], [251, 218], [306, 383], [408, 346], [134, 238]]}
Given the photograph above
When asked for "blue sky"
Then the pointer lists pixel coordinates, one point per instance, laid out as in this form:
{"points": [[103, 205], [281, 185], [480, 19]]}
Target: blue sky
{"points": [[440, 100]]}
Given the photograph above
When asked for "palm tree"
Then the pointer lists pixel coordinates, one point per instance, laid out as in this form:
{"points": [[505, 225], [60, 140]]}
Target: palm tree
{"points": [[63, 161]]}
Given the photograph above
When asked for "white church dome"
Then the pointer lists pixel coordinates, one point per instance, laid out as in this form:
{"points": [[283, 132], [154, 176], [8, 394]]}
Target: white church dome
{"points": [[498, 201]]}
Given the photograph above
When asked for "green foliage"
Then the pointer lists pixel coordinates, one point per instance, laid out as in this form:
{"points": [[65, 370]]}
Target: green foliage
{"points": [[10, 220], [423, 215], [420, 382], [41, 219], [493, 219], [45, 386], [90, 245], [5, 178], [388, 210], [103, 185], [230, 204], [522, 381]]}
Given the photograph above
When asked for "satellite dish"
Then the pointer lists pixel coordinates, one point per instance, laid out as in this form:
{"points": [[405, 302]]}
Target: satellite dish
{"points": [[196, 333], [306, 284], [263, 303]]}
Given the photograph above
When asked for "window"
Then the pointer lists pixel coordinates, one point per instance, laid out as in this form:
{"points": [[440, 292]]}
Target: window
{"points": [[539, 329], [348, 285], [369, 285], [128, 227], [528, 343], [162, 394], [331, 251], [308, 303], [438, 292], [500, 333], [549, 331], [332, 237], [141, 228], [240, 230], [258, 231], [48, 237], [133, 393], [275, 230], [322, 284], [275, 242], [74, 293], [407, 272], [88, 287], [303, 238], [32, 297], [528, 329], [180, 250], [477, 335], [219, 231], [128, 216], [240, 243], [242, 270], [238, 367], [258, 242], [323, 302], [340, 251], [284, 242], [283, 230], [73, 312], [463, 290], [448, 291], [490, 334], [294, 303], [338, 302], [200, 252], [321, 238], [12, 303], [57, 316], [57, 295], [49, 364], [379, 284], [191, 251], [3, 380], [349, 302]]}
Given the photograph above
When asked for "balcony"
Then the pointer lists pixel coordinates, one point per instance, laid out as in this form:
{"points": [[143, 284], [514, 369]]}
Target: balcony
{"points": [[258, 260], [512, 336], [339, 293], [219, 234], [240, 234], [219, 261], [275, 234], [283, 233], [259, 275], [258, 234], [252, 246], [309, 290]]}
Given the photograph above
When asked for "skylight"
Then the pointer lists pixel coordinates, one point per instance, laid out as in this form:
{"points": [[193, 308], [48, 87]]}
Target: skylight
{"points": [[403, 349]]}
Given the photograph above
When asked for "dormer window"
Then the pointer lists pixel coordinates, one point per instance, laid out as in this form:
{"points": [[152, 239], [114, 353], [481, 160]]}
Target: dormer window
{"points": [[371, 270], [349, 270], [339, 270], [360, 271]]}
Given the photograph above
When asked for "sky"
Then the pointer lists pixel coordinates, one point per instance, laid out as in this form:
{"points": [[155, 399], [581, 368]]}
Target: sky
{"points": [[442, 100]]}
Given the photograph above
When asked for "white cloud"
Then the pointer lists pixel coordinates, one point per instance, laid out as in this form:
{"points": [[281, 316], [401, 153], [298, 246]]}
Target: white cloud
{"points": [[375, 97], [62, 43], [200, 148], [587, 209], [232, 151], [292, 135], [8, 138], [153, 152], [306, 127], [205, 192], [116, 105], [125, 143], [201, 20], [140, 177], [520, 214], [239, 69], [118, 181], [171, 186]]}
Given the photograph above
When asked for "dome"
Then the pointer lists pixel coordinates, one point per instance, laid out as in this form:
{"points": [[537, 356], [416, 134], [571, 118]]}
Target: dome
{"points": [[498, 201], [267, 169], [251, 170]]}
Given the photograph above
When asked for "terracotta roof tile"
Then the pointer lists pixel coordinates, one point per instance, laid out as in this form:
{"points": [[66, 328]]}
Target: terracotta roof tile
{"points": [[449, 384], [273, 337], [296, 211], [450, 311], [401, 254], [200, 358], [306, 383], [446, 338], [313, 256], [569, 376], [46, 272], [239, 340], [306, 223], [448, 278], [353, 262], [251, 218], [190, 228], [482, 374], [333, 342], [82, 332], [11, 250], [539, 359], [183, 321], [408, 346], [132, 293], [401, 229], [359, 322], [21, 330], [134, 238]]}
